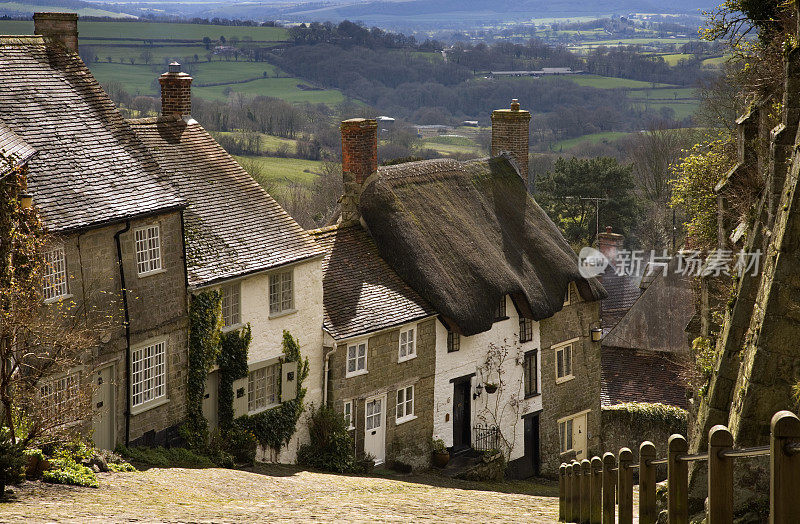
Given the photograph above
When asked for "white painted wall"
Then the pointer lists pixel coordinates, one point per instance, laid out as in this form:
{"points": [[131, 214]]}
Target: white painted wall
{"points": [[304, 323], [467, 360]]}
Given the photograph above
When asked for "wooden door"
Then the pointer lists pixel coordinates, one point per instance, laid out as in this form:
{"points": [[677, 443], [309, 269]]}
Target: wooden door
{"points": [[462, 405], [531, 459], [103, 433], [210, 400], [579, 436], [375, 428]]}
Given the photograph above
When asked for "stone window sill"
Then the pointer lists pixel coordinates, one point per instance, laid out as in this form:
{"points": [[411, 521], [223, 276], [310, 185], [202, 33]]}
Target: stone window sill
{"points": [[564, 379], [151, 273], [147, 406], [405, 419], [412, 356], [232, 327], [356, 373], [282, 314], [58, 298]]}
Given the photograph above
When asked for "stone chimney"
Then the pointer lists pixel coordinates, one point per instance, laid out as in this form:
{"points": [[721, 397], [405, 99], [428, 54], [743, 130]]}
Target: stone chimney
{"points": [[510, 133], [359, 161], [610, 244], [62, 27], [176, 92]]}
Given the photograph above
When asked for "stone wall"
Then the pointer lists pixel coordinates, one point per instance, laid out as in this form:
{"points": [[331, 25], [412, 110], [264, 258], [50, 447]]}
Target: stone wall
{"points": [[157, 309], [579, 394], [408, 442]]}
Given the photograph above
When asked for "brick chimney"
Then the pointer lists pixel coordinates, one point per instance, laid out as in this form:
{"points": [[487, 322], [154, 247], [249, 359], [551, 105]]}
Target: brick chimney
{"points": [[62, 27], [359, 161], [510, 133], [610, 244], [176, 92]]}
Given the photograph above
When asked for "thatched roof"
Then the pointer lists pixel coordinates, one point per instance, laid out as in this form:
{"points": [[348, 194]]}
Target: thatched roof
{"points": [[465, 234]]}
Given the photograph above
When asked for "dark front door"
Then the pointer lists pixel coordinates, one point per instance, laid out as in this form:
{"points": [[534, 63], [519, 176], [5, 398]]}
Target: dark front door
{"points": [[531, 458], [461, 414]]}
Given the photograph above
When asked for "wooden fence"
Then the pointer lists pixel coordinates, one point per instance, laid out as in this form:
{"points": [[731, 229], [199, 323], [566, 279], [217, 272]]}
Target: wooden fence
{"points": [[586, 489]]}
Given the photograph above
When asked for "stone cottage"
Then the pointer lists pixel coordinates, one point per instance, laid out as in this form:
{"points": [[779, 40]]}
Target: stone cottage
{"points": [[117, 234], [471, 242], [242, 243]]}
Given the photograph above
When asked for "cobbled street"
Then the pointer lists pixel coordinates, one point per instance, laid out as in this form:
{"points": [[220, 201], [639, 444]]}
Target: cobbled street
{"points": [[280, 494]]}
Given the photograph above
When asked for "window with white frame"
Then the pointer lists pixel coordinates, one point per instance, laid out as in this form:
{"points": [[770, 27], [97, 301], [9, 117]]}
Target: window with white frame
{"points": [[54, 283], [348, 414], [565, 435], [59, 399], [408, 348], [148, 250], [564, 362], [405, 404], [281, 292], [231, 304], [149, 365], [356, 359], [262, 387]]}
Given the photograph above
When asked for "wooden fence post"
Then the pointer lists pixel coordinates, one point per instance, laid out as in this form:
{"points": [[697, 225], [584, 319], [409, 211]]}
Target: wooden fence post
{"points": [[576, 491], [609, 483], [625, 486], [596, 514], [677, 481], [586, 491], [647, 484], [562, 492], [568, 493], [784, 485], [720, 476]]}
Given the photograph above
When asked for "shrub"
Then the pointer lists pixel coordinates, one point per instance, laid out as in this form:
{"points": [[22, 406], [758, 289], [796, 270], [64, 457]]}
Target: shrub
{"points": [[66, 471], [330, 447], [12, 460], [242, 444], [166, 457]]}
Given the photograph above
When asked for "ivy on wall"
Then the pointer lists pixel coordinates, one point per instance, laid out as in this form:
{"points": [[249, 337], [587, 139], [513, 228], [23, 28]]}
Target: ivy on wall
{"points": [[232, 361], [205, 322], [275, 427]]}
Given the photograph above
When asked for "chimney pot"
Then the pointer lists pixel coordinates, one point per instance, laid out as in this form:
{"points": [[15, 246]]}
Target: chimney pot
{"points": [[61, 27], [174, 67], [515, 104]]}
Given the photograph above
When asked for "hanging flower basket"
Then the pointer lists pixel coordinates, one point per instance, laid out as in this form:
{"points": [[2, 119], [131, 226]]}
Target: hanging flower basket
{"points": [[490, 388]]}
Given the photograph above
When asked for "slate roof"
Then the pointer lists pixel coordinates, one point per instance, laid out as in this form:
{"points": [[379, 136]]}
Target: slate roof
{"points": [[90, 168], [623, 291], [233, 226], [14, 151], [466, 234], [362, 294], [641, 376]]}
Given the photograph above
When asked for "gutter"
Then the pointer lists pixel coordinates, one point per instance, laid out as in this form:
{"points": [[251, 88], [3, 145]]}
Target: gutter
{"points": [[127, 324], [325, 376]]}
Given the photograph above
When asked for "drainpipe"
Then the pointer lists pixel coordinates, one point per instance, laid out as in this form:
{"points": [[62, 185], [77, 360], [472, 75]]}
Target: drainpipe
{"points": [[127, 323], [325, 377]]}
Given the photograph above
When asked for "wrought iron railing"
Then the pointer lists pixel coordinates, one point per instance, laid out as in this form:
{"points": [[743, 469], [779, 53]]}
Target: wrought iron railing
{"points": [[487, 438]]}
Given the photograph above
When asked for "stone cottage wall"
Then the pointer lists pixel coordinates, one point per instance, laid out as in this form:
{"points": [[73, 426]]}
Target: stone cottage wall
{"points": [[574, 396]]}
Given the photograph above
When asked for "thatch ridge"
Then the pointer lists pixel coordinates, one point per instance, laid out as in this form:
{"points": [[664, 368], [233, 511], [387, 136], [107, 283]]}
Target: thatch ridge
{"points": [[465, 234]]}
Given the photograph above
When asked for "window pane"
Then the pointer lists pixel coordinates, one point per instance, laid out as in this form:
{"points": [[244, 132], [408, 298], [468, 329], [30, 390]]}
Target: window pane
{"points": [[149, 373], [54, 278], [568, 360], [148, 249], [559, 363], [569, 434]]}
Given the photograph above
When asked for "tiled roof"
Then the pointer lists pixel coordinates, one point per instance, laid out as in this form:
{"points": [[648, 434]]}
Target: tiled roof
{"points": [[623, 291], [641, 376], [14, 151], [90, 168], [233, 226], [361, 292]]}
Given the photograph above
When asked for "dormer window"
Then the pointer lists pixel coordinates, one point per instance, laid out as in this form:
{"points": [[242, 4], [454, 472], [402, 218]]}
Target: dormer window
{"points": [[500, 313], [408, 341], [453, 341], [525, 329]]}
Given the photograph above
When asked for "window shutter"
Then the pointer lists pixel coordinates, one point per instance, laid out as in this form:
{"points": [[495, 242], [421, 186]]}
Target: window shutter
{"points": [[288, 381]]}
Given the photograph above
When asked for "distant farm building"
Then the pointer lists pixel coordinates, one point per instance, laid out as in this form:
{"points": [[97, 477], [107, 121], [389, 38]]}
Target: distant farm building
{"points": [[545, 71]]}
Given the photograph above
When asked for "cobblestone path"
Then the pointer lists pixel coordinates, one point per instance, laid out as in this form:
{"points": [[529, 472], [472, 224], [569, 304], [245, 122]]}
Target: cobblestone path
{"points": [[278, 494]]}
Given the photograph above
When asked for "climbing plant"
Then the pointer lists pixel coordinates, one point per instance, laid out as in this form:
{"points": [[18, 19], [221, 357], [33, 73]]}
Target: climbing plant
{"points": [[232, 361], [275, 427], [205, 322]]}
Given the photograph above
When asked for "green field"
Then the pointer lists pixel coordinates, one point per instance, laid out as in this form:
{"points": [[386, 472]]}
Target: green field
{"points": [[608, 136], [277, 172], [607, 82], [673, 59], [683, 109], [153, 30], [137, 79], [268, 143]]}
